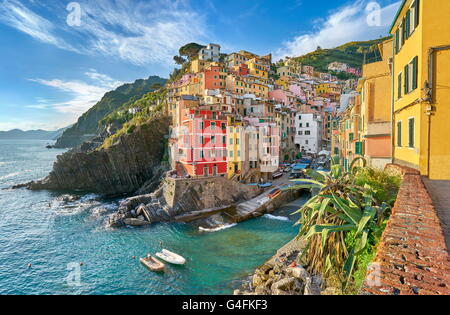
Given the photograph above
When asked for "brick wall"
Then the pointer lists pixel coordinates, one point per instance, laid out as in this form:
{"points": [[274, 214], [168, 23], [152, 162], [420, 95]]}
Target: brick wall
{"points": [[412, 258]]}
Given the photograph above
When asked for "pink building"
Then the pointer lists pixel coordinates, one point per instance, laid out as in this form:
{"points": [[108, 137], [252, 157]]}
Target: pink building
{"points": [[282, 96]]}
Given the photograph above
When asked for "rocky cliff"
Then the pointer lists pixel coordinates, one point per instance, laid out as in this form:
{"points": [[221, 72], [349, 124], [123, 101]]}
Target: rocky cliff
{"points": [[133, 161], [88, 125]]}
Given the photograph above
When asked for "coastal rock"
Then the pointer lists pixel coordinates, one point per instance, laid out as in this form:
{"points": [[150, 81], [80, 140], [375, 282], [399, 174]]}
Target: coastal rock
{"points": [[298, 273], [286, 284], [135, 222], [313, 286], [68, 198], [123, 168]]}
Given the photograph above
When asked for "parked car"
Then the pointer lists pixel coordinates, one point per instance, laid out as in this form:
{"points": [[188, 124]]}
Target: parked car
{"points": [[277, 174]]}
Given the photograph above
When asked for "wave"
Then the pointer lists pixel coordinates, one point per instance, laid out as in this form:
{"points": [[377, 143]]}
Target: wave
{"points": [[273, 217], [10, 175], [217, 229]]}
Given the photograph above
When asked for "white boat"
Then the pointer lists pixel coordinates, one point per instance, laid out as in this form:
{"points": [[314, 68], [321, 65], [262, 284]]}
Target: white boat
{"points": [[171, 258]]}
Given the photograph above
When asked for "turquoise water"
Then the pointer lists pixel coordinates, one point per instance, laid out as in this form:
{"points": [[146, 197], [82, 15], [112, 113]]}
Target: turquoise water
{"points": [[37, 229]]}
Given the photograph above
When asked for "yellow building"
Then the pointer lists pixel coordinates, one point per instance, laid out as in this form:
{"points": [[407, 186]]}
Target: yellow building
{"points": [[421, 87], [376, 102], [235, 138], [328, 88], [258, 68]]}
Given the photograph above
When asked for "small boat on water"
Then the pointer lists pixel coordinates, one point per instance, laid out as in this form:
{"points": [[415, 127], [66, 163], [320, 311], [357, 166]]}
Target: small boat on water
{"points": [[152, 264], [171, 258]]}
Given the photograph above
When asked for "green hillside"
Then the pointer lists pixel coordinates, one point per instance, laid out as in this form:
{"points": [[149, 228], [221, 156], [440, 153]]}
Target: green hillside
{"points": [[351, 53], [88, 124]]}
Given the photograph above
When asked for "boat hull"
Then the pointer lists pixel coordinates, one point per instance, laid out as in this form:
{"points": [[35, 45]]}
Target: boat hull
{"points": [[153, 264]]}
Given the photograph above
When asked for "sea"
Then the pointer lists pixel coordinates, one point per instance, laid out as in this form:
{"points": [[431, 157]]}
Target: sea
{"points": [[48, 246]]}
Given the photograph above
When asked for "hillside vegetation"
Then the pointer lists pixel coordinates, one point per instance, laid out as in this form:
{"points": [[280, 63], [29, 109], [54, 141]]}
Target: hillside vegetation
{"points": [[150, 105], [351, 53], [88, 124]]}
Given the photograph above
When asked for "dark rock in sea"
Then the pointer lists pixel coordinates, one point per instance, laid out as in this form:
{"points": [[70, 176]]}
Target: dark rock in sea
{"points": [[68, 198], [132, 161]]}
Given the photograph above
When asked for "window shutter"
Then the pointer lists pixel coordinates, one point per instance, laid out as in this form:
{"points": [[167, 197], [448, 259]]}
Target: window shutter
{"points": [[414, 71], [399, 134], [358, 148], [416, 16], [406, 79], [399, 88], [403, 32], [411, 133], [408, 23], [397, 41]]}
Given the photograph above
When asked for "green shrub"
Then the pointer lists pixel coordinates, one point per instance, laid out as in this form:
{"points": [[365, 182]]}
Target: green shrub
{"points": [[343, 223]]}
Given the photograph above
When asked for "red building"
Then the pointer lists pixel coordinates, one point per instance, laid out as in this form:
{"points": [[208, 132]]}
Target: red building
{"points": [[202, 143], [213, 79]]}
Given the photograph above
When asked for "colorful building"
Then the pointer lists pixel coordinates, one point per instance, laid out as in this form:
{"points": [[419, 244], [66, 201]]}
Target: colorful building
{"points": [[421, 66], [202, 143], [376, 94]]}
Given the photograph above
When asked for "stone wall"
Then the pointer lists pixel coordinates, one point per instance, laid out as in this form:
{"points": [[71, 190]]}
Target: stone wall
{"points": [[205, 193], [412, 258]]}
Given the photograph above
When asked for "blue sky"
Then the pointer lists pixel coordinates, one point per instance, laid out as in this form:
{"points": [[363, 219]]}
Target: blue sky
{"points": [[52, 71]]}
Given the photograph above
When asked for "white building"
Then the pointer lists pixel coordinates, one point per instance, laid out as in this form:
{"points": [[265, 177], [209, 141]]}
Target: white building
{"points": [[308, 136], [211, 52], [337, 67]]}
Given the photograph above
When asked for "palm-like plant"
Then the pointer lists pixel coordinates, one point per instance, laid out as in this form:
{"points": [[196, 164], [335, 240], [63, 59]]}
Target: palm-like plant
{"points": [[341, 207]]}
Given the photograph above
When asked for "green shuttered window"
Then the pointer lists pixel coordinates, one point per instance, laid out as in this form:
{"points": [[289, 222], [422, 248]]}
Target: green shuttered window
{"points": [[411, 132]]}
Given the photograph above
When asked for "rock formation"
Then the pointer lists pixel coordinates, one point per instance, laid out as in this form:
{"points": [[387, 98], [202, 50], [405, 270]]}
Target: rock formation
{"points": [[135, 160], [179, 196]]}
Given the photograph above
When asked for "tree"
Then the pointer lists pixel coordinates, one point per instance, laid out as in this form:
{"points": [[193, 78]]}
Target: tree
{"points": [[156, 86], [190, 50], [179, 60]]}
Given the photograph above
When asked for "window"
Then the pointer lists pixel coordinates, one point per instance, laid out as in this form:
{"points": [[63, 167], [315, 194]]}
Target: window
{"points": [[213, 140], [411, 132], [351, 137], [413, 66], [202, 154], [399, 134], [358, 148], [416, 6], [406, 83], [307, 133], [399, 82], [213, 126], [397, 41], [408, 24], [237, 141], [202, 140]]}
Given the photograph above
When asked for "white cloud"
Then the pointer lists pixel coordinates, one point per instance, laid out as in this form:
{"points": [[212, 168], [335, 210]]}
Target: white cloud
{"points": [[139, 32], [83, 95], [16, 15], [347, 24]]}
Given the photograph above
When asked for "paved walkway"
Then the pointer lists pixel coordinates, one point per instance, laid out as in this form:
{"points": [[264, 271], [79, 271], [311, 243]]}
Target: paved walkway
{"points": [[440, 193]]}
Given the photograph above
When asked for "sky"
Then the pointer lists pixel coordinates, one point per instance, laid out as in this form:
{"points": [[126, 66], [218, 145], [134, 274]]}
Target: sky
{"points": [[58, 58]]}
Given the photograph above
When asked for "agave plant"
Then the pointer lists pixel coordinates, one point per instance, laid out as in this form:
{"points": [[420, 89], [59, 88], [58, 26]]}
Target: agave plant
{"points": [[340, 207]]}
